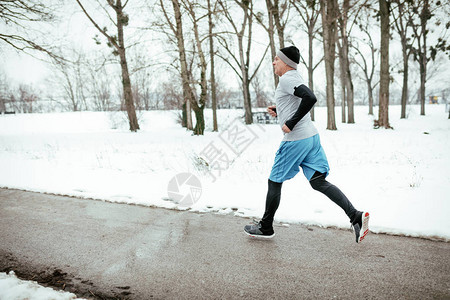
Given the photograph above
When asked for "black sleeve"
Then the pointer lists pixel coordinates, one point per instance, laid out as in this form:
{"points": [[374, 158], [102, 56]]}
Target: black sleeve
{"points": [[307, 102]]}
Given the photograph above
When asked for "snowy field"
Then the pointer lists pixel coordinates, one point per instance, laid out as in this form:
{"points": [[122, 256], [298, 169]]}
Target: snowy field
{"points": [[399, 176]]}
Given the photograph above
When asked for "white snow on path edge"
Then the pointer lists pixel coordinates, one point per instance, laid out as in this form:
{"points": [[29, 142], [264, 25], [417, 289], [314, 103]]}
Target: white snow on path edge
{"points": [[13, 288]]}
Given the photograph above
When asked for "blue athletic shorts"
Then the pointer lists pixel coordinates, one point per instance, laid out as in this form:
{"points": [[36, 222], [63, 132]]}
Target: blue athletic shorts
{"points": [[306, 153]]}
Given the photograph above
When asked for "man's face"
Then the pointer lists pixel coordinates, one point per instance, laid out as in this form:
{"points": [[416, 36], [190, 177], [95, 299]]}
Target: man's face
{"points": [[278, 66]]}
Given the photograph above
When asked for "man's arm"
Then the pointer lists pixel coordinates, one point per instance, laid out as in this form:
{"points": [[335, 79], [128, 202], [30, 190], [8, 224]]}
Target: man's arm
{"points": [[307, 102]]}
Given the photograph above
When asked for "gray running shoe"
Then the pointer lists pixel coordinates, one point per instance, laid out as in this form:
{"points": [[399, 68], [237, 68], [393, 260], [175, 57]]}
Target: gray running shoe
{"points": [[255, 231]]}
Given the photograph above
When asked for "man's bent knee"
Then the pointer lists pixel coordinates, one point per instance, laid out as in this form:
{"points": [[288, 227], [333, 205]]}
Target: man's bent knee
{"points": [[318, 181]]}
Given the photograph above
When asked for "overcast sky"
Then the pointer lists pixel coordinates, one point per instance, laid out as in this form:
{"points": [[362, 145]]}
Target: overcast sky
{"points": [[74, 30]]}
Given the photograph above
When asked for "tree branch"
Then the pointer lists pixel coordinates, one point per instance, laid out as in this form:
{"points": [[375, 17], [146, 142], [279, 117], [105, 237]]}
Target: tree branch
{"points": [[110, 39], [318, 63], [232, 67], [260, 62], [28, 45], [174, 30]]}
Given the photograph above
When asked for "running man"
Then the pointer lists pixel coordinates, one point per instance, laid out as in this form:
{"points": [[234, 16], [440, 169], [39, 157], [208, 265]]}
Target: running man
{"points": [[300, 148]]}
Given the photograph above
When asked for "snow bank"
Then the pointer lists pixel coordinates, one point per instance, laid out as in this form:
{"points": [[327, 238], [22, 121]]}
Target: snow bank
{"points": [[12, 288]]}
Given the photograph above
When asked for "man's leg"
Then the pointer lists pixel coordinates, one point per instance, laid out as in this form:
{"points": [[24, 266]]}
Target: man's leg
{"points": [[319, 183], [264, 228], [286, 166], [359, 219], [272, 203]]}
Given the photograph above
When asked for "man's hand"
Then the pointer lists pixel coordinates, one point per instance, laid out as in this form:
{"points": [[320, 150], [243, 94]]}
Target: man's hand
{"points": [[285, 129], [272, 110]]}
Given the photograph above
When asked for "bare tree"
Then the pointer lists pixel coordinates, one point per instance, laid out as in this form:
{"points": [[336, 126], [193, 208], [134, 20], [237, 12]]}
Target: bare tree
{"points": [[241, 62], [70, 76], [4, 91], [179, 64], [269, 28], [198, 108], [342, 43], [422, 53], [212, 65], [25, 98], [383, 111], [347, 16], [367, 64], [141, 78], [403, 21], [309, 11], [99, 87], [328, 11], [280, 12], [186, 66], [261, 96], [68, 85], [343, 79], [224, 94], [118, 43], [171, 95]]}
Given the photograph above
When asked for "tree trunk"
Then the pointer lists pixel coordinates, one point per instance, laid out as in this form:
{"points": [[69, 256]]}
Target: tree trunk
{"points": [[200, 122], [370, 93], [405, 86], [309, 13], [183, 115], [346, 62], [189, 123], [213, 77], [350, 95], [247, 99], [328, 12], [245, 86], [343, 82], [423, 54], [280, 29], [270, 32], [248, 105], [187, 91], [244, 70], [383, 111], [310, 65], [402, 31], [200, 119], [423, 74], [126, 82], [346, 76], [368, 75]]}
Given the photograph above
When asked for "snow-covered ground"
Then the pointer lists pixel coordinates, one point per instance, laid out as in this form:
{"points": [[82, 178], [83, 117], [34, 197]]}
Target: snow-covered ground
{"points": [[399, 176], [12, 288]]}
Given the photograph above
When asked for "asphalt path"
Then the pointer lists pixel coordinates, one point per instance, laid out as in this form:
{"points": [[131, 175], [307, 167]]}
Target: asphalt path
{"points": [[104, 250]]}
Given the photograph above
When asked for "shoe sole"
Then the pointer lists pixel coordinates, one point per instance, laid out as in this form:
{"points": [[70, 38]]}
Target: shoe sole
{"points": [[365, 226], [258, 236]]}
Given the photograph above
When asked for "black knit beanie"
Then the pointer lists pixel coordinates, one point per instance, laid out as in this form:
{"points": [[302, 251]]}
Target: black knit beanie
{"points": [[290, 55]]}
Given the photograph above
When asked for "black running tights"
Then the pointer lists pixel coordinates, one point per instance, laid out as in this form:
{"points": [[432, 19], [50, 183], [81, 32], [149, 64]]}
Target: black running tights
{"points": [[319, 183]]}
